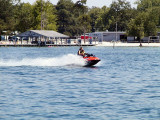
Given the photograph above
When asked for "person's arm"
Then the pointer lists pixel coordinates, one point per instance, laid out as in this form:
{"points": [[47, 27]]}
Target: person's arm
{"points": [[78, 52]]}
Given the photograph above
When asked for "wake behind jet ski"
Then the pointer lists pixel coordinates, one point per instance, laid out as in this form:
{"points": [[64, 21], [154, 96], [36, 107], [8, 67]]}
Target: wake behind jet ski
{"points": [[89, 58]]}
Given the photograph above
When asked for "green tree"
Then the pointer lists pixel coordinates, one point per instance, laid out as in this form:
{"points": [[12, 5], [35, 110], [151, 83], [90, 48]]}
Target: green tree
{"points": [[101, 23], [80, 8], [25, 17], [143, 5], [84, 23], [151, 23], [7, 18], [136, 26], [120, 12], [65, 16], [48, 15], [96, 15], [151, 8]]}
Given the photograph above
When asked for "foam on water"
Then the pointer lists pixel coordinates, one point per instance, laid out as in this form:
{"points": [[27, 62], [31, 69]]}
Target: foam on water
{"points": [[65, 60]]}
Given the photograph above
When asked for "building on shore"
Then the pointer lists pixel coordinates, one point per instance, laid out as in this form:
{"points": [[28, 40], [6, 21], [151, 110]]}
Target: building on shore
{"points": [[150, 39], [121, 37], [41, 37], [158, 34], [46, 37], [109, 36]]}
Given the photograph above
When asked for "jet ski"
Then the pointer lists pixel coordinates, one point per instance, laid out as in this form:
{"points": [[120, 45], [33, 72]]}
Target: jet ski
{"points": [[90, 60]]}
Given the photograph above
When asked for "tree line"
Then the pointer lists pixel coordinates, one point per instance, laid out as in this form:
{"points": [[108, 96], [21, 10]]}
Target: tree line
{"points": [[74, 19]]}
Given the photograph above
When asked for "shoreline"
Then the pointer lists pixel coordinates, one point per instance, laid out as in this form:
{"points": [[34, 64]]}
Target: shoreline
{"points": [[104, 44], [120, 44]]}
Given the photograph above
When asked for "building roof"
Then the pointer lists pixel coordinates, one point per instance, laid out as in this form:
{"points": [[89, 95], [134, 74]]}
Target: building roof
{"points": [[44, 33], [111, 32]]}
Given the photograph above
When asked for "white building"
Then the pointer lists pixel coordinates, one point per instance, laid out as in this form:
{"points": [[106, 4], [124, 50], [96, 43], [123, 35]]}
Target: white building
{"points": [[108, 36]]}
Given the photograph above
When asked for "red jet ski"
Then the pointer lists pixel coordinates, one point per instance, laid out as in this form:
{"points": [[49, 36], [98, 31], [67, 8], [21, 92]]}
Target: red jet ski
{"points": [[91, 60]]}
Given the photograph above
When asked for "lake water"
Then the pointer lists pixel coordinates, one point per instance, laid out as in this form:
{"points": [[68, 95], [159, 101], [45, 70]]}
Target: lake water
{"points": [[52, 84]]}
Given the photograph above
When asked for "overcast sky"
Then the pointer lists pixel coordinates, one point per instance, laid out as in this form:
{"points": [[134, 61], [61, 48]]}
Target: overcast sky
{"points": [[90, 3]]}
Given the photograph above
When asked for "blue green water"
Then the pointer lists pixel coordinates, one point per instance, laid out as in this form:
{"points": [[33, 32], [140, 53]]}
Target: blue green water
{"points": [[52, 84]]}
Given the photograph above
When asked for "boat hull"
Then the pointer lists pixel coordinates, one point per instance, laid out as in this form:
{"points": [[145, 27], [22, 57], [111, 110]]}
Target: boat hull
{"points": [[91, 63], [91, 60]]}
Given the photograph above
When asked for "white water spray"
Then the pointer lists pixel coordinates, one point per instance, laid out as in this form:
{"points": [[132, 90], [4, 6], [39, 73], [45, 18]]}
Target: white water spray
{"points": [[65, 60]]}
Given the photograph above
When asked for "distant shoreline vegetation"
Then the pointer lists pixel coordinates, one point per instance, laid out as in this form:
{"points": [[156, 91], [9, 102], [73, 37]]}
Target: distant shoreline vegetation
{"points": [[74, 19]]}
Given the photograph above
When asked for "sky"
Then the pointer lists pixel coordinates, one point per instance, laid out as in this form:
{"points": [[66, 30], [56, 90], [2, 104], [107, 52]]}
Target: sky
{"points": [[90, 3]]}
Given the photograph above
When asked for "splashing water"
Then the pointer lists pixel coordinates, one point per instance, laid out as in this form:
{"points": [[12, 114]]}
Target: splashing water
{"points": [[65, 60]]}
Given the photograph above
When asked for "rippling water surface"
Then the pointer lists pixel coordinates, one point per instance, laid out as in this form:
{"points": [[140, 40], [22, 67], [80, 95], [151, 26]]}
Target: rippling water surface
{"points": [[51, 83]]}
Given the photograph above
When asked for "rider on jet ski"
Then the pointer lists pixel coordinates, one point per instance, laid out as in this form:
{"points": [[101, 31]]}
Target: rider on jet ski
{"points": [[90, 58], [81, 52]]}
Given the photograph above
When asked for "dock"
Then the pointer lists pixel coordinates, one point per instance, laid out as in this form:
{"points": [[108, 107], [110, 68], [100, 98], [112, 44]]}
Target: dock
{"points": [[47, 45]]}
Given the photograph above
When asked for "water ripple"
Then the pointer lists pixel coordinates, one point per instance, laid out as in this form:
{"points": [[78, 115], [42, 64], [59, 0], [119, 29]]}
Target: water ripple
{"points": [[125, 86]]}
